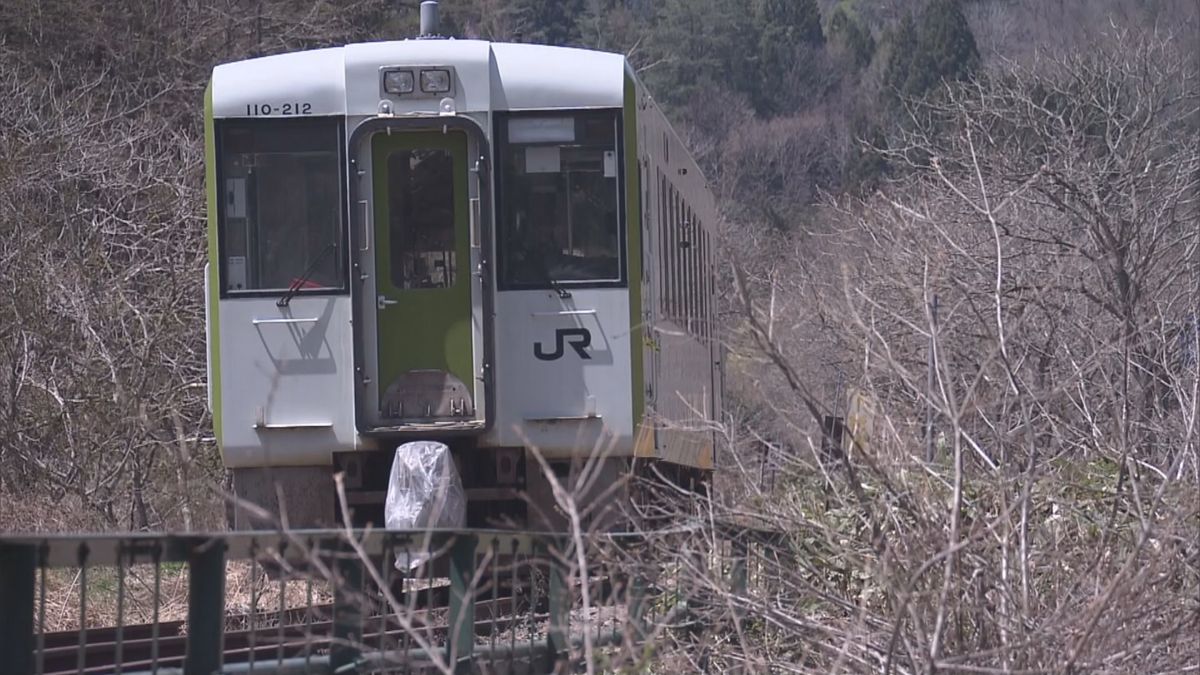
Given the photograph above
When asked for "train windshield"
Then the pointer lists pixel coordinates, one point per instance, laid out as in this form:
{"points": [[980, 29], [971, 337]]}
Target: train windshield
{"points": [[280, 211], [559, 200]]}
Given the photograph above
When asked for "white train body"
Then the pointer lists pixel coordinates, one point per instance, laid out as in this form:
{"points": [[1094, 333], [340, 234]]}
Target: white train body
{"points": [[518, 257]]}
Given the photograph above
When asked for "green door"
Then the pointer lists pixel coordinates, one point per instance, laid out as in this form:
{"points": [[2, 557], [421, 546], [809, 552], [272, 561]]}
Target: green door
{"points": [[423, 277]]}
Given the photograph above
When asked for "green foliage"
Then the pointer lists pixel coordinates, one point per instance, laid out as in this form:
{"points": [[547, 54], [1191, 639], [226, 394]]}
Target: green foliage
{"points": [[921, 54], [696, 42], [901, 48], [946, 48], [612, 25], [549, 22], [850, 35], [787, 23], [789, 33]]}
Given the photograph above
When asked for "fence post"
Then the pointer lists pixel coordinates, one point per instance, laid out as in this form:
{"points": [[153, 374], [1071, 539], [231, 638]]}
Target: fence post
{"points": [[206, 607], [635, 596], [347, 611], [18, 563], [560, 605], [637, 606], [737, 574], [460, 641]]}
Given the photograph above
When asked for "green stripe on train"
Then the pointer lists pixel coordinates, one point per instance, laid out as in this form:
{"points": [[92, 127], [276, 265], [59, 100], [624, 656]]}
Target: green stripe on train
{"points": [[633, 225], [214, 291]]}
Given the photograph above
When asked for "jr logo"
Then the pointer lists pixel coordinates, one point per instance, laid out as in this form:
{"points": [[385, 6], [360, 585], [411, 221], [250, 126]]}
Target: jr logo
{"points": [[579, 339]]}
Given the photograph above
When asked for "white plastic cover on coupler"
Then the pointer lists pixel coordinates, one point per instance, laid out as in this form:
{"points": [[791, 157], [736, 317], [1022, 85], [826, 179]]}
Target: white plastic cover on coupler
{"points": [[424, 492]]}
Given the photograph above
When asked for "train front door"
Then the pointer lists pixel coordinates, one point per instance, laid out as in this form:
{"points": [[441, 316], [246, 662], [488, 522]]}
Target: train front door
{"points": [[423, 304]]}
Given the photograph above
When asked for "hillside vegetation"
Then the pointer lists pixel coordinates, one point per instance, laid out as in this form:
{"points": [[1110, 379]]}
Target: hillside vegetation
{"points": [[968, 228]]}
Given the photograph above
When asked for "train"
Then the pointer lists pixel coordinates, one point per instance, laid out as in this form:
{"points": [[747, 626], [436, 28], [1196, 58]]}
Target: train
{"points": [[501, 247]]}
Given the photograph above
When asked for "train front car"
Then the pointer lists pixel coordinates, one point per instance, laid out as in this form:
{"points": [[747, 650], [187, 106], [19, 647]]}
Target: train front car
{"points": [[431, 240]]}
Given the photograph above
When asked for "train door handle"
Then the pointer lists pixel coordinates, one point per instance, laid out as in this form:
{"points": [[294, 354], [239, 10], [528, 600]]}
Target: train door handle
{"points": [[382, 302], [367, 228]]}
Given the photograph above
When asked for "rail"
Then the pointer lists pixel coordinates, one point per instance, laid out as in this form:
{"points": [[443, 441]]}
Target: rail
{"points": [[333, 601]]}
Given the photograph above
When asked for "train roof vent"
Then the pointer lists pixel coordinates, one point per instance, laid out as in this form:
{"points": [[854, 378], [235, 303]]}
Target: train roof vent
{"points": [[430, 20]]}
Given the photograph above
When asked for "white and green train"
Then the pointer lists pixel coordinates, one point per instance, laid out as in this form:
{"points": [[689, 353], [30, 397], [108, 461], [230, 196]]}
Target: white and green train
{"points": [[496, 246]]}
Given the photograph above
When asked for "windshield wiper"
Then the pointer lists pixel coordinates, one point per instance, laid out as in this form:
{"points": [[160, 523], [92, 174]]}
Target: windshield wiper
{"points": [[303, 278], [555, 284], [543, 270]]}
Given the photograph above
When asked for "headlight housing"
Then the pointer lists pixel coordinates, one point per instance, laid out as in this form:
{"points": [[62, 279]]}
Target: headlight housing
{"points": [[435, 81], [399, 81]]}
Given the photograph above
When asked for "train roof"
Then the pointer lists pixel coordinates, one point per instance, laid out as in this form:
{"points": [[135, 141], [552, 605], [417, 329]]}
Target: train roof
{"points": [[490, 76]]}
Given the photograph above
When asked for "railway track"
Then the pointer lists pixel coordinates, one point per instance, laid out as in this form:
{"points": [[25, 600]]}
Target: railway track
{"points": [[493, 597], [148, 647], [138, 650]]}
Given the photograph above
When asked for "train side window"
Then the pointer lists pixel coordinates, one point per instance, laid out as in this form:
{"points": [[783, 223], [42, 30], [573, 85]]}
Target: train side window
{"points": [[689, 261], [280, 193], [694, 269], [560, 219], [697, 242], [673, 267], [677, 255], [664, 246], [672, 253], [644, 188], [707, 290], [685, 280], [702, 280]]}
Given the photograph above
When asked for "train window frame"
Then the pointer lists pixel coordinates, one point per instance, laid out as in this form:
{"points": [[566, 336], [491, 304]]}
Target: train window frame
{"points": [[503, 226], [669, 250], [677, 257], [672, 253], [693, 253], [663, 248], [702, 282], [689, 262], [341, 283]]}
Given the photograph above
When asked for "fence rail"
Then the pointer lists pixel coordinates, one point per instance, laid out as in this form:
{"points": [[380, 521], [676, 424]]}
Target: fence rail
{"points": [[336, 601]]}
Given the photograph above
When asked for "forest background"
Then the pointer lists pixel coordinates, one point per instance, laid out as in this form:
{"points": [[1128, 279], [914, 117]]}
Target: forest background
{"points": [[967, 227]]}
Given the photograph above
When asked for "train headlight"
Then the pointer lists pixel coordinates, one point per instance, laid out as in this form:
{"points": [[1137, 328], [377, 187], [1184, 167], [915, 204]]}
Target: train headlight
{"points": [[399, 81], [435, 81]]}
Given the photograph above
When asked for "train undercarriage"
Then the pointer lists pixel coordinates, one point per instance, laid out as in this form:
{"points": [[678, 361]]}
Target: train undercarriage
{"points": [[506, 488]]}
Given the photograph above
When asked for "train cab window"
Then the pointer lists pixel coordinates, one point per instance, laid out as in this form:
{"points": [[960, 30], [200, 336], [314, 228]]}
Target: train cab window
{"points": [[559, 194], [280, 192]]}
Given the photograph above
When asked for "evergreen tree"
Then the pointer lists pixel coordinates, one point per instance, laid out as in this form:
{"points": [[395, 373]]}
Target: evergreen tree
{"points": [[922, 54], [901, 44], [697, 42], [847, 33], [613, 25], [789, 33], [790, 22], [945, 48], [549, 22]]}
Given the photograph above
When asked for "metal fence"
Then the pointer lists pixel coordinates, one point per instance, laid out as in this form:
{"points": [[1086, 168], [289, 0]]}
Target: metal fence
{"points": [[335, 601]]}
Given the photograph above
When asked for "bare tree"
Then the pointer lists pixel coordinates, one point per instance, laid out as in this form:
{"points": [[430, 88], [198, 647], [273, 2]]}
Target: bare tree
{"points": [[1053, 214], [102, 244]]}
